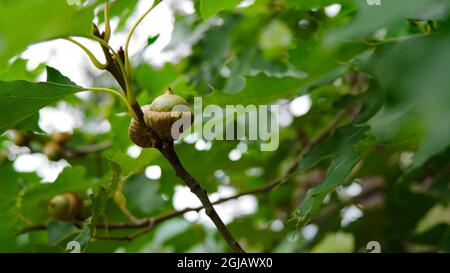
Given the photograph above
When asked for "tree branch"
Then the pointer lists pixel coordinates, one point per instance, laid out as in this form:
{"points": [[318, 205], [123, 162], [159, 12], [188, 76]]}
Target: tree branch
{"points": [[86, 149], [149, 223], [169, 153]]}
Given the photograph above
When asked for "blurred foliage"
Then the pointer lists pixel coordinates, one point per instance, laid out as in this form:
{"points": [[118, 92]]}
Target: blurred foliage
{"points": [[384, 66]]}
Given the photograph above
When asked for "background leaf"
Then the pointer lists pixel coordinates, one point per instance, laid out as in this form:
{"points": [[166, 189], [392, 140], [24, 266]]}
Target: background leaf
{"points": [[20, 99], [62, 20]]}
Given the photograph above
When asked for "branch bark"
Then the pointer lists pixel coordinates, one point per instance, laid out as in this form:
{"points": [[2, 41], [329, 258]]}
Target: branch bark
{"points": [[84, 150], [169, 153]]}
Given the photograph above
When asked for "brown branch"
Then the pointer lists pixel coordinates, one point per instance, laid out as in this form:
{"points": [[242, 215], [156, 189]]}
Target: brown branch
{"points": [[86, 149], [66, 151], [169, 153]]}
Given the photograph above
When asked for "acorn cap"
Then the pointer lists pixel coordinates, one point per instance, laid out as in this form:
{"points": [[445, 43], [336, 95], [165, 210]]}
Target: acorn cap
{"points": [[162, 122], [138, 135], [162, 115], [166, 102]]}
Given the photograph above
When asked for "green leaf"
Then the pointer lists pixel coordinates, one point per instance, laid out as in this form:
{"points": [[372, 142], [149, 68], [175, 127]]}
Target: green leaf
{"points": [[105, 192], [59, 231], [121, 9], [9, 193], [23, 23], [371, 18], [259, 89], [30, 124], [187, 31], [371, 101], [417, 96], [21, 99], [156, 81], [341, 148], [152, 39], [318, 61], [314, 3], [439, 234], [54, 76], [130, 166], [166, 231], [209, 8], [143, 197], [335, 243], [436, 215], [275, 38], [85, 235], [18, 71], [41, 248]]}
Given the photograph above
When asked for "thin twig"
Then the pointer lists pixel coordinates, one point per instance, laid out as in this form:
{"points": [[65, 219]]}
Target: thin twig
{"points": [[130, 34], [150, 223], [86, 149]]}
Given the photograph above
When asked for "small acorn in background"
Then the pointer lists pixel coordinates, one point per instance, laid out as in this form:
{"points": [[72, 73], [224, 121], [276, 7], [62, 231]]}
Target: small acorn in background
{"points": [[20, 138], [61, 137], [52, 150], [161, 115], [65, 207]]}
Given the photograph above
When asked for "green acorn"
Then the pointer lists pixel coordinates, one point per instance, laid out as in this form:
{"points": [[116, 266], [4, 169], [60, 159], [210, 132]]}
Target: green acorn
{"points": [[160, 116], [65, 207], [164, 111]]}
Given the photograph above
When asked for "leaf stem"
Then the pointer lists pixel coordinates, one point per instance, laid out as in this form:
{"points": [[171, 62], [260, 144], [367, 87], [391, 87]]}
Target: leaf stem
{"points": [[107, 22], [130, 34], [129, 93], [91, 56], [114, 92]]}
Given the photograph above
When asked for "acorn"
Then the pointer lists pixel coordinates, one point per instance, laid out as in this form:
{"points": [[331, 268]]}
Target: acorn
{"points": [[139, 135], [65, 207], [61, 137], [165, 111], [52, 150], [21, 139], [160, 116]]}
